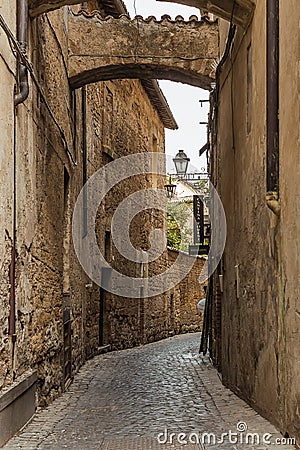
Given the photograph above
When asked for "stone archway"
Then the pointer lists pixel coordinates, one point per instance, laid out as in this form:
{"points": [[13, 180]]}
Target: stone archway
{"points": [[109, 48], [240, 11]]}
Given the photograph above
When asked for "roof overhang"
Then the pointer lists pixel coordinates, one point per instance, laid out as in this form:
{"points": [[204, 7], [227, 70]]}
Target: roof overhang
{"points": [[160, 103]]}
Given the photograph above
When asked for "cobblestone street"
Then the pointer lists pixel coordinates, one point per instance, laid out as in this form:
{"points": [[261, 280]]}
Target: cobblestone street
{"points": [[123, 400]]}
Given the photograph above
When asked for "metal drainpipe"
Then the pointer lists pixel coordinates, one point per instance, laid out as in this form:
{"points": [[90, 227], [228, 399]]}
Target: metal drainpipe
{"points": [[272, 159], [12, 267], [21, 96]]}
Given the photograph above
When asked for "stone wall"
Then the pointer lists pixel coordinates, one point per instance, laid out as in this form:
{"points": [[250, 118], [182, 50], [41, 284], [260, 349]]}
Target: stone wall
{"points": [[7, 74], [138, 321], [288, 264], [131, 321], [59, 144], [259, 266], [186, 295], [193, 45]]}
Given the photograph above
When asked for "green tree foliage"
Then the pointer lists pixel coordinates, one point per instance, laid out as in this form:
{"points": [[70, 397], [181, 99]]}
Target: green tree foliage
{"points": [[180, 232], [173, 233], [202, 186]]}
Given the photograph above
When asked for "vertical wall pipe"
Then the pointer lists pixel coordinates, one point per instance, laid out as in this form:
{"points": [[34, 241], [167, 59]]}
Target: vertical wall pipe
{"points": [[272, 98], [20, 97], [22, 26], [12, 267]]}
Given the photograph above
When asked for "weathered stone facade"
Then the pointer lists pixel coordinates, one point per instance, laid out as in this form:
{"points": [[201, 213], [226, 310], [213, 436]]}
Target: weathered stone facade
{"points": [[52, 143], [146, 48], [241, 13], [138, 321], [256, 337]]}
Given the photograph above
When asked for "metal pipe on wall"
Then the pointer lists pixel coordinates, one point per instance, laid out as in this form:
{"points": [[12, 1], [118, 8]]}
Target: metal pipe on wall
{"points": [[20, 97], [272, 172], [12, 267], [22, 27]]}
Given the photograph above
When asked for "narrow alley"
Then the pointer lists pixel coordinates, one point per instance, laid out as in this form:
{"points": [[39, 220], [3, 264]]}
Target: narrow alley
{"points": [[135, 216], [126, 400]]}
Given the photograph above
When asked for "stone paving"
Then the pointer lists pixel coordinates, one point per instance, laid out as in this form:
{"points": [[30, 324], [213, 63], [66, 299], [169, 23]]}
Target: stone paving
{"points": [[126, 400]]}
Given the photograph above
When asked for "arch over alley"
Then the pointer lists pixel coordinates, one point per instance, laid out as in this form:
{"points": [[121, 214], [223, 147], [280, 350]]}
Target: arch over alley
{"points": [[177, 50], [239, 11]]}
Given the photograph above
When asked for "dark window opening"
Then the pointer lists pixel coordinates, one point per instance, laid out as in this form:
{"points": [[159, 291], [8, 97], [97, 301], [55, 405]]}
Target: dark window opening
{"points": [[107, 246]]}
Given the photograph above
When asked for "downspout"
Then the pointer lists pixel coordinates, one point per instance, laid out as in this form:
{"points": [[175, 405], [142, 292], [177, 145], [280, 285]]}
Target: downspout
{"points": [[272, 158], [22, 95], [12, 267]]}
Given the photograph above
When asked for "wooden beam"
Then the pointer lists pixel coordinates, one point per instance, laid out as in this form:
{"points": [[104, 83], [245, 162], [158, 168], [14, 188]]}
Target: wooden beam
{"points": [[37, 7]]}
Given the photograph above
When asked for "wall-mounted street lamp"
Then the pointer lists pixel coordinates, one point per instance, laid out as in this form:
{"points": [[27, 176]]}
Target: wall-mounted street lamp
{"points": [[181, 162], [170, 188]]}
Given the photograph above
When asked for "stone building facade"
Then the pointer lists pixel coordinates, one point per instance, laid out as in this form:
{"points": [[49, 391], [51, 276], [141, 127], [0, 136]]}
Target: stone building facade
{"points": [[51, 319], [54, 141], [256, 290]]}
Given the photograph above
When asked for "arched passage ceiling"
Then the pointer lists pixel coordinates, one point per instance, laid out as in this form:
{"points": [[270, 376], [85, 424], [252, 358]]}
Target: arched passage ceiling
{"points": [[240, 11], [110, 48]]}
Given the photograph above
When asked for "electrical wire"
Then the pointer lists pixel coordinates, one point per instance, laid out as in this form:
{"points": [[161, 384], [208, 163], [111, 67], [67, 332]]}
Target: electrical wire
{"points": [[8, 68], [24, 60], [134, 7], [138, 31], [57, 42]]}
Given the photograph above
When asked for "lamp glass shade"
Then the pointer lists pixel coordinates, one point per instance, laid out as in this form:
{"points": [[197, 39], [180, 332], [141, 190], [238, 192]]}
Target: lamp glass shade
{"points": [[181, 162], [170, 188]]}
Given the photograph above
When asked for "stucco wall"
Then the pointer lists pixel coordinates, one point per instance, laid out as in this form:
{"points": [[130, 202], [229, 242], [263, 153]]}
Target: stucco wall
{"points": [[290, 224], [7, 75], [260, 264]]}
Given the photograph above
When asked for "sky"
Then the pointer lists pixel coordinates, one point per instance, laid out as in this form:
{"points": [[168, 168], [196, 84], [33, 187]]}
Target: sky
{"points": [[183, 99]]}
